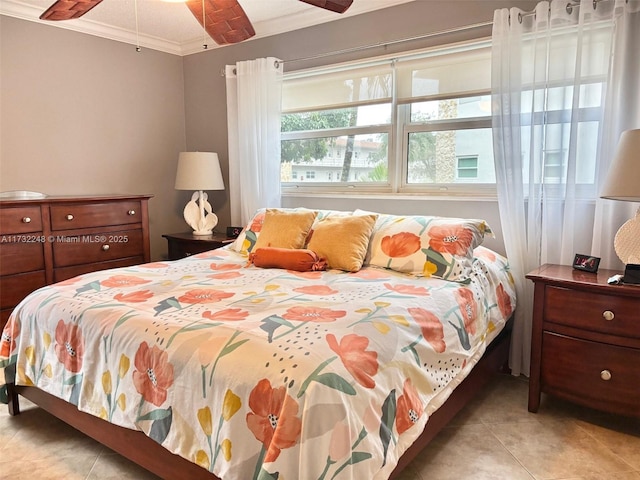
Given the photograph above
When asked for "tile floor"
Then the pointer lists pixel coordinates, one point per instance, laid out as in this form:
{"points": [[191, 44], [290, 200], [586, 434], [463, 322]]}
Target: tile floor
{"points": [[492, 438]]}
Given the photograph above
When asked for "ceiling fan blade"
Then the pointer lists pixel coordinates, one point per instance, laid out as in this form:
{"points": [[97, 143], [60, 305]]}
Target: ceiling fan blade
{"points": [[224, 20], [339, 6], [68, 9]]}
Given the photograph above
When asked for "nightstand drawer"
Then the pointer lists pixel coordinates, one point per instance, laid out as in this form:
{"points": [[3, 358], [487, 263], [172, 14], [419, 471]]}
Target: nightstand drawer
{"points": [[183, 245], [66, 217], [591, 373], [20, 220], [591, 311], [80, 249]]}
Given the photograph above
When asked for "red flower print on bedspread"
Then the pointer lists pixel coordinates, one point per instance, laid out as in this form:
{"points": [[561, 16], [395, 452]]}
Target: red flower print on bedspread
{"points": [[153, 374], [401, 244], [316, 290], [504, 301], [204, 295], [362, 364], [409, 408], [313, 314], [453, 239], [134, 297], [8, 340], [116, 281], [407, 289], [69, 346], [273, 419], [431, 327], [468, 308]]}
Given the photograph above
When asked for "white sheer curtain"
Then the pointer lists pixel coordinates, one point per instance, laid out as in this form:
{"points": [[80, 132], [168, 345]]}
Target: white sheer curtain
{"points": [[254, 97], [565, 85]]}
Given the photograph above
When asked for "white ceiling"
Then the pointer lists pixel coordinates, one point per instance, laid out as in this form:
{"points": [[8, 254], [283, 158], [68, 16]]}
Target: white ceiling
{"points": [[170, 27]]}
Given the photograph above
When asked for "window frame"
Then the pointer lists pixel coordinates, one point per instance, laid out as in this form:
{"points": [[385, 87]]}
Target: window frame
{"points": [[397, 131]]}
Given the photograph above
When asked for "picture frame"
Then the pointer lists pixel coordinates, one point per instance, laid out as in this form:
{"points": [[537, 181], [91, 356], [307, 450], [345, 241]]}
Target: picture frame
{"points": [[586, 263]]}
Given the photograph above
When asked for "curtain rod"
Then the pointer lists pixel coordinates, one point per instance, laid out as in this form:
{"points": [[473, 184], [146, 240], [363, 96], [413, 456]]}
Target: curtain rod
{"points": [[391, 42], [381, 44]]}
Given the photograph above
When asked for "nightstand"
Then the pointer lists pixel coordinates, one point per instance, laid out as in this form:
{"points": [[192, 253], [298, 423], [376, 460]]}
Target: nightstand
{"points": [[184, 244], [585, 344]]}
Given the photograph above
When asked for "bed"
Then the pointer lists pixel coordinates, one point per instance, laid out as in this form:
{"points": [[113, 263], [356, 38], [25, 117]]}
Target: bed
{"points": [[215, 367]]}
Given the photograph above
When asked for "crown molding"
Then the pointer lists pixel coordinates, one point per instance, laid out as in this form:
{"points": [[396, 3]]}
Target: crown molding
{"points": [[12, 8]]}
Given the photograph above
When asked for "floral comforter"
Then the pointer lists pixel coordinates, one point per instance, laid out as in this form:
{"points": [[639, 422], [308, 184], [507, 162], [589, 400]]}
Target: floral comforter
{"points": [[261, 373]]}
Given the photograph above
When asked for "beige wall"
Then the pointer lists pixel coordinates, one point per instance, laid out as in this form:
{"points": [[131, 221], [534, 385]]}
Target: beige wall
{"points": [[84, 115]]}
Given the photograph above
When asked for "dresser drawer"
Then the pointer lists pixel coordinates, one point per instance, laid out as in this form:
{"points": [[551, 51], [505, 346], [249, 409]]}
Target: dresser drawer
{"points": [[574, 368], [79, 249], [20, 220], [18, 257], [72, 216], [586, 310], [13, 288]]}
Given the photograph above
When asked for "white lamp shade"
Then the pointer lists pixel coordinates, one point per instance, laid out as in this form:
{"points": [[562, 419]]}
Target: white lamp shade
{"points": [[199, 171], [623, 179]]}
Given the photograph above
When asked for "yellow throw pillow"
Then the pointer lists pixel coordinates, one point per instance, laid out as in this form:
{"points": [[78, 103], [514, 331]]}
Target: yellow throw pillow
{"points": [[285, 229], [342, 241]]}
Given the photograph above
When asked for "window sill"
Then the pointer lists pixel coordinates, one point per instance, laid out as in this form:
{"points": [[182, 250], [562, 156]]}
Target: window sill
{"points": [[448, 196]]}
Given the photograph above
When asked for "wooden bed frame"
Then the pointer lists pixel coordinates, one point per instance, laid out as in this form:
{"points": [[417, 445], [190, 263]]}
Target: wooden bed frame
{"points": [[147, 453]]}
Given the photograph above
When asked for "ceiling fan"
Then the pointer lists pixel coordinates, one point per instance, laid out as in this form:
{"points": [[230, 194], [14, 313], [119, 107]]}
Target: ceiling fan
{"points": [[224, 20]]}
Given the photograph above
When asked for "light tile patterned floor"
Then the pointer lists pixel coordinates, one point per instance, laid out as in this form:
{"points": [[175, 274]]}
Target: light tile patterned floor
{"points": [[493, 438]]}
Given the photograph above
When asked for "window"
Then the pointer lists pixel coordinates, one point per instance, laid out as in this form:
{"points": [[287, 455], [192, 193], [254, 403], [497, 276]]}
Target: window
{"points": [[401, 124], [468, 167], [553, 165]]}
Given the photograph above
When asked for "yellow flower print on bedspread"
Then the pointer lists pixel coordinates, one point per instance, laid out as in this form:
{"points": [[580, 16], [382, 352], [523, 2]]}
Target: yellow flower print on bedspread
{"points": [[230, 406]]}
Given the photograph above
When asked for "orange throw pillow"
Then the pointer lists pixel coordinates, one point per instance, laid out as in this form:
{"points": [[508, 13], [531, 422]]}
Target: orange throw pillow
{"points": [[299, 260]]}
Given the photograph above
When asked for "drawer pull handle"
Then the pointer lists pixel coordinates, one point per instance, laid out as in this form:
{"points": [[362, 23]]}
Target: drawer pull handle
{"points": [[69, 217], [608, 315], [605, 375], [105, 248], [26, 220], [131, 212]]}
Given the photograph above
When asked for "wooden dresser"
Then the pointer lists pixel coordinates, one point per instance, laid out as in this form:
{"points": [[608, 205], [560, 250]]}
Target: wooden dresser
{"points": [[52, 239], [585, 343]]}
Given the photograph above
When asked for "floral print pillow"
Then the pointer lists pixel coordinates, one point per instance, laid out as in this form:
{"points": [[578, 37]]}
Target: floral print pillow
{"points": [[426, 246], [249, 235]]}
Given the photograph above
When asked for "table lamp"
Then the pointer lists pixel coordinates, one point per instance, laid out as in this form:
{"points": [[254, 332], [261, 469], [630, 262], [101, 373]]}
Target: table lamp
{"points": [[623, 183], [199, 171]]}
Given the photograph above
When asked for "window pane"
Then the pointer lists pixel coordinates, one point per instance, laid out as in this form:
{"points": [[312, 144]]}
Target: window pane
{"points": [[364, 85], [444, 72], [337, 118], [433, 156], [469, 107], [352, 158]]}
